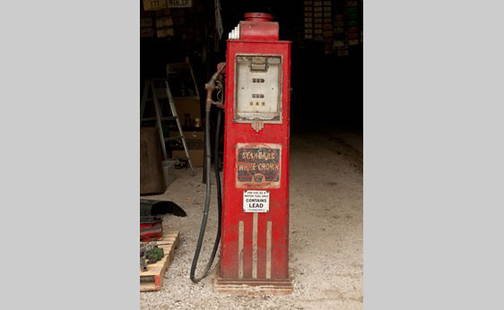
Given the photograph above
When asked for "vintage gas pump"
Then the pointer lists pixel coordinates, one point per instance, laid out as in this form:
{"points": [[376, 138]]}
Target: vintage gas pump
{"points": [[255, 214], [255, 198]]}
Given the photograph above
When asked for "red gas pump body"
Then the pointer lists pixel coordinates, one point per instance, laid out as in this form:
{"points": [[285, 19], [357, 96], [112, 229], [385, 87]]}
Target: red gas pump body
{"points": [[255, 243]]}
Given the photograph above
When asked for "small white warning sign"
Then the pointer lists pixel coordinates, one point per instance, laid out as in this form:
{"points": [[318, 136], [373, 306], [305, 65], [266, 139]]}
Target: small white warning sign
{"points": [[255, 201]]}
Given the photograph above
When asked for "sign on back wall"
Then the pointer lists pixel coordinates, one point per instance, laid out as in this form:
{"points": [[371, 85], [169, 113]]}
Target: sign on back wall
{"points": [[179, 3], [156, 5]]}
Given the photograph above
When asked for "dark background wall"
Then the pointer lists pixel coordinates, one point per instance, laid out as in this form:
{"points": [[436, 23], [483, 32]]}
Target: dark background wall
{"points": [[327, 89]]}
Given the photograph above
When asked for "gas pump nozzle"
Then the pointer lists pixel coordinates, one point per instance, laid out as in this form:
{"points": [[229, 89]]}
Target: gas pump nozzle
{"points": [[211, 86]]}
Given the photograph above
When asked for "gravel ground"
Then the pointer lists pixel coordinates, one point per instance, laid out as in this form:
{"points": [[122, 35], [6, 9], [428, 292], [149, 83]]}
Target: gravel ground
{"points": [[325, 239]]}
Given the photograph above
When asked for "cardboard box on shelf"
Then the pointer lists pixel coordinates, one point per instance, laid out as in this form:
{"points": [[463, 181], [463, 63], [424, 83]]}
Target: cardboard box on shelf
{"points": [[196, 156], [146, 32], [188, 109], [328, 34], [165, 32], [165, 21], [146, 22], [194, 139], [179, 3], [163, 12], [342, 52], [339, 43], [154, 5], [195, 135]]}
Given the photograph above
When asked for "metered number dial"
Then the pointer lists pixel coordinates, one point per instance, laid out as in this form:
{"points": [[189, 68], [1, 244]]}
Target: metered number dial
{"points": [[258, 87]]}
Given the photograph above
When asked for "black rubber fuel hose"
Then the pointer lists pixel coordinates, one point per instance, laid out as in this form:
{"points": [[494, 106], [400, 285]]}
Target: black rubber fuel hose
{"points": [[208, 198]]}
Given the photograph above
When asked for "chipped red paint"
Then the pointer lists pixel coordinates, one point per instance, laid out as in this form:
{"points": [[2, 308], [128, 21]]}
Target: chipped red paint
{"points": [[242, 133], [258, 26]]}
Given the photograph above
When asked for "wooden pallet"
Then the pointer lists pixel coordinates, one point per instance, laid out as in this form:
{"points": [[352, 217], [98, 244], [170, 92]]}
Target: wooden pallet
{"points": [[152, 278]]}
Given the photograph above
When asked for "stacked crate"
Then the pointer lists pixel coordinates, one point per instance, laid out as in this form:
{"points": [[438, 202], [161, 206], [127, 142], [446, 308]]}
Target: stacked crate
{"points": [[340, 43], [347, 26], [317, 19], [164, 24], [146, 27], [318, 22], [327, 26], [308, 19], [156, 23], [353, 18], [154, 5]]}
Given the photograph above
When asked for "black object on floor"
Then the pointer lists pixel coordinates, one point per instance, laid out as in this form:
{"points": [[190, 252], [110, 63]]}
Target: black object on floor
{"points": [[158, 207]]}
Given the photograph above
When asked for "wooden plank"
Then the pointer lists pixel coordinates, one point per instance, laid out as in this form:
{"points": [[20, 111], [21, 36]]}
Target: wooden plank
{"points": [[154, 275], [157, 268], [148, 287], [151, 170]]}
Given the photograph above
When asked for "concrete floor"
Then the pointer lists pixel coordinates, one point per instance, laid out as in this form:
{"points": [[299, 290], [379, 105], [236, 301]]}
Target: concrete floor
{"points": [[325, 233]]}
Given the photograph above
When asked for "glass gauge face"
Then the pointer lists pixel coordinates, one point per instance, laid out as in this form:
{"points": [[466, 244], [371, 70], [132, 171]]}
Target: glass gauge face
{"points": [[258, 89]]}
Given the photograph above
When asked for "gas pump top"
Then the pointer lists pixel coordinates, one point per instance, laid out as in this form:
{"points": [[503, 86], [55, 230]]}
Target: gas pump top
{"points": [[256, 26]]}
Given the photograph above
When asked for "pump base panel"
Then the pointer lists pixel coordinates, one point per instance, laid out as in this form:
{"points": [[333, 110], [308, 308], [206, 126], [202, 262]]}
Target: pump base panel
{"points": [[254, 287]]}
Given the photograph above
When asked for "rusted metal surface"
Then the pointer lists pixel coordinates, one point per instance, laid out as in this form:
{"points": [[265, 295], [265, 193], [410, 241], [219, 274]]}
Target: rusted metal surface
{"points": [[258, 26], [254, 248], [258, 165]]}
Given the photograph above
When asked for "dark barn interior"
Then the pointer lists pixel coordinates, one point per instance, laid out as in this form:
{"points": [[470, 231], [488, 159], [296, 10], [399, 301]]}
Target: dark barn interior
{"points": [[326, 88], [326, 145]]}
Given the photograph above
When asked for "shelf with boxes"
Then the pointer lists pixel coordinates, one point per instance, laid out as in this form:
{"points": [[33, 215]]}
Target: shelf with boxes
{"points": [[195, 143], [156, 24], [353, 21], [318, 20], [336, 24]]}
